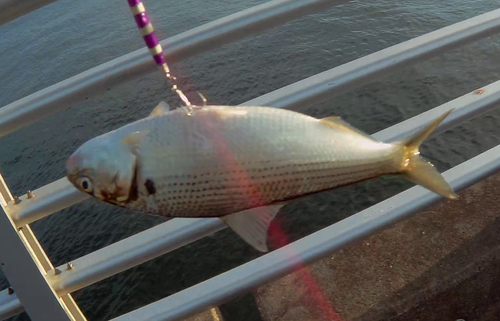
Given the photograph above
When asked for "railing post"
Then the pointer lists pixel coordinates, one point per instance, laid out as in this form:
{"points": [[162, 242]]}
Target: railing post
{"points": [[26, 265]]}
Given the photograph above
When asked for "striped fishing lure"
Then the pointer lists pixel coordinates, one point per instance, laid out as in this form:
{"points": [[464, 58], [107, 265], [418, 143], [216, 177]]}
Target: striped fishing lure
{"points": [[147, 32]]}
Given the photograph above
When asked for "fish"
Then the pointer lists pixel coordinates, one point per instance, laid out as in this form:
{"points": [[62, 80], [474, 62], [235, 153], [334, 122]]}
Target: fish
{"points": [[241, 164]]}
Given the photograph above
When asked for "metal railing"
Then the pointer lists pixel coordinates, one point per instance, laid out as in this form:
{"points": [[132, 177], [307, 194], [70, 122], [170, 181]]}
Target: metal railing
{"points": [[57, 284]]}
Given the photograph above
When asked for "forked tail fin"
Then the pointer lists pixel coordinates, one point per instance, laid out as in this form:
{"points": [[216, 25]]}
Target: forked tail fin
{"points": [[419, 171]]}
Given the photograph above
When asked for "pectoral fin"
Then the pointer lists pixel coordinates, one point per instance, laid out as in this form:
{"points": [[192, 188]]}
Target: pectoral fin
{"points": [[252, 224], [161, 109]]}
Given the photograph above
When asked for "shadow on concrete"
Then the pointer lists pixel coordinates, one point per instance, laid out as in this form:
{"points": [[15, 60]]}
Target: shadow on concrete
{"points": [[463, 285]]}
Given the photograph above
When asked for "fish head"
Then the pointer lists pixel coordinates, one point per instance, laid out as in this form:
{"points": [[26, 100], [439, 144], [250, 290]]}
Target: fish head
{"points": [[105, 169]]}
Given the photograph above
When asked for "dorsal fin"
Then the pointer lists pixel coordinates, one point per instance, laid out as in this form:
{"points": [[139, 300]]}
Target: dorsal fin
{"points": [[161, 109], [338, 123]]}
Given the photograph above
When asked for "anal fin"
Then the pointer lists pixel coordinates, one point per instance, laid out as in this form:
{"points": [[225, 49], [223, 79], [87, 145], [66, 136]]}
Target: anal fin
{"points": [[252, 224]]}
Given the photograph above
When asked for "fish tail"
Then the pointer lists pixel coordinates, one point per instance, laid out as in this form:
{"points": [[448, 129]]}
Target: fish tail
{"points": [[419, 171]]}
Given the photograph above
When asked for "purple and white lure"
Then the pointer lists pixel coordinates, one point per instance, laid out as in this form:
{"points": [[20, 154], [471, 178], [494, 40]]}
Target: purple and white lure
{"points": [[147, 32]]}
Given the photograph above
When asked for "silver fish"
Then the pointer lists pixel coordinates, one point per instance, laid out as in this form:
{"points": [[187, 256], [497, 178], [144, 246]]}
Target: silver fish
{"points": [[241, 164]]}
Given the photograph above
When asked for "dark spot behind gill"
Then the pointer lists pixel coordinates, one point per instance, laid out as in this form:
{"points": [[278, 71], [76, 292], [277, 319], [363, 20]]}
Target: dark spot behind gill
{"points": [[150, 186]]}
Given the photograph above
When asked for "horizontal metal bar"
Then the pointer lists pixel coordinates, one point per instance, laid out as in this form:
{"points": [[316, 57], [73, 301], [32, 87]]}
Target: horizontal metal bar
{"points": [[363, 70], [9, 305], [465, 107], [278, 263], [12, 9], [132, 251], [138, 63], [47, 200], [178, 232]]}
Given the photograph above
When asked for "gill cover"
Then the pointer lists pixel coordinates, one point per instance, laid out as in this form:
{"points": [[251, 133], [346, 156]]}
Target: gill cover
{"points": [[126, 179], [125, 183], [103, 168]]}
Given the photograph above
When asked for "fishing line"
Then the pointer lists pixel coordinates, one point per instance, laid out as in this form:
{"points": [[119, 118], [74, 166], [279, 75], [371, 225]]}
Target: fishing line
{"points": [[147, 32]]}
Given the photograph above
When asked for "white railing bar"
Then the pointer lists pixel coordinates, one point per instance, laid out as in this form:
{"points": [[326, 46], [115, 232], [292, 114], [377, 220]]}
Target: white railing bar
{"points": [[47, 200], [61, 193], [287, 259], [9, 305], [178, 232], [365, 69], [466, 107], [12, 9], [138, 63], [132, 251]]}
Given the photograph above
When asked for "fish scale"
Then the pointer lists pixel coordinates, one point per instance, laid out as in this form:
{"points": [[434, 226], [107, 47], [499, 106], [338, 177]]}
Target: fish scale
{"points": [[256, 186], [227, 144], [260, 191], [229, 162]]}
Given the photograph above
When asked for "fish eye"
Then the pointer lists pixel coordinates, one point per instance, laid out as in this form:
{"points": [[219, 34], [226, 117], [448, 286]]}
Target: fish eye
{"points": [[86, 184]]}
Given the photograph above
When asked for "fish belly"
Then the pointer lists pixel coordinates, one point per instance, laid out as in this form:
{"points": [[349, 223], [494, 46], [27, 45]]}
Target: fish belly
{"points": [[218, 162]]}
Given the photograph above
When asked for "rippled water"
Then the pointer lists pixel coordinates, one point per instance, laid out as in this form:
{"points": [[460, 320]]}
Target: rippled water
{"points": [[68, 37]]}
